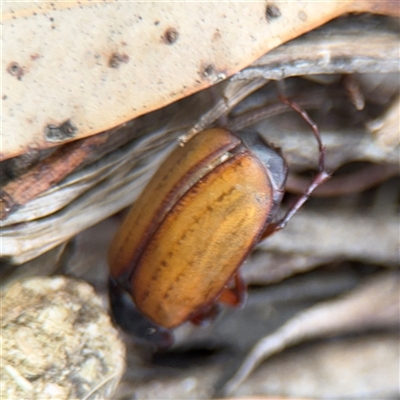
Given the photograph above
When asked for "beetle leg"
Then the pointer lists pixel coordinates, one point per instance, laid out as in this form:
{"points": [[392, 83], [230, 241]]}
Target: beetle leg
{"points": [[236, 295], [322, 175], [205, 315]]}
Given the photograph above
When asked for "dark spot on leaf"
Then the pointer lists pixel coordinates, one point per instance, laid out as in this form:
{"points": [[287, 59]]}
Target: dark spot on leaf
{"points": [[272, 12], [59, 133], [302, 16], [207, 71], [16, 70], [171, 35], [117, 59]]}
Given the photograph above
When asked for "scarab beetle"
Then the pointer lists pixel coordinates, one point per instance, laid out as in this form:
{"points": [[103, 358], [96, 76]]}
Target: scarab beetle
{"points": [[178, 251]]}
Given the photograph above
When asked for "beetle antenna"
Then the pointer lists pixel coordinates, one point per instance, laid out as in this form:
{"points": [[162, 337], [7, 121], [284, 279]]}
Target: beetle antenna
{"points": [[312, 125], [320, 178]]}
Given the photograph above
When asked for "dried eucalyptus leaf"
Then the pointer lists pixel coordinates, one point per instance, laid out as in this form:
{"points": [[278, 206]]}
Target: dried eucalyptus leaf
{"points": [[96, 65]]}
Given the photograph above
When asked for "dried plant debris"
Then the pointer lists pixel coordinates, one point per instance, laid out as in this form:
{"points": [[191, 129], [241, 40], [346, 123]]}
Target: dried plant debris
{"points": [[386, 127], [47, 173], [45, 265], [372, 305], [364, 367], [57, 342]]}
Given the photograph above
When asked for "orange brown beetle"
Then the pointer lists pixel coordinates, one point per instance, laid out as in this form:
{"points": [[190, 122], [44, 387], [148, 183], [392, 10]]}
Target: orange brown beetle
{"points": [[211, 201]]}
